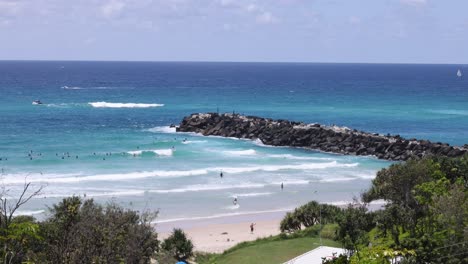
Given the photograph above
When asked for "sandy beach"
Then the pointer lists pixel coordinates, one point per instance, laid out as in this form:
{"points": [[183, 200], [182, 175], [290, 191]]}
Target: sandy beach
{"points": [[219, 234]]}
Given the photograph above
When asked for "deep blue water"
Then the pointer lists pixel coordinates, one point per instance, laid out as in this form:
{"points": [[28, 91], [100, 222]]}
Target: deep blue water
{"points": [[422, 101]]}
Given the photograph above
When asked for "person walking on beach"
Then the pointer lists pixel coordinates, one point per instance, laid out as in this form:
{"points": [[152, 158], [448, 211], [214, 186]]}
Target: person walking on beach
{"points": [[252, 228]]}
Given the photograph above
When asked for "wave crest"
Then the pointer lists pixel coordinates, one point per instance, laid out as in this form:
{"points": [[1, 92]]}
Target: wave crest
{"points": [[122, 105]]}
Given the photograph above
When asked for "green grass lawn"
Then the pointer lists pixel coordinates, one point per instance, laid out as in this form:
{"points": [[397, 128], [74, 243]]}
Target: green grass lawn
{"points": [[271, 250]]}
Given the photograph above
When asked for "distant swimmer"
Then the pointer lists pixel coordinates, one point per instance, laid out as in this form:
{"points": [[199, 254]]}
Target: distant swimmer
{"points": [[138, 147], [235, 201], [63, 157], [221, 174], [103, 158], [76, 156], [94, 153]]}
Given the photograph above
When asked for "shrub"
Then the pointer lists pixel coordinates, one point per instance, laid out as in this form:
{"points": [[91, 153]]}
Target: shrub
{"points": [[178, 245], [84, 232], [290, 223]]}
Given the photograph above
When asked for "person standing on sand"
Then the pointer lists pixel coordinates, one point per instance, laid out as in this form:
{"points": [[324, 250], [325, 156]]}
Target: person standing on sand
{"points": [[252, 227]]}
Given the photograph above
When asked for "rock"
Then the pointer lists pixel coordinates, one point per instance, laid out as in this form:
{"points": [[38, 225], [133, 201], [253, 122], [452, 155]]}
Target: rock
{"points": [[314, 136]]}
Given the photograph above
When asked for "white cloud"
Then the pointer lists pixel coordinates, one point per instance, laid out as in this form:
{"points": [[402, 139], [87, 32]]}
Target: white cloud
{"points": [[354, 20], [251, 8], [266, 18], [112, 8], [414, 2], [9, 8]]}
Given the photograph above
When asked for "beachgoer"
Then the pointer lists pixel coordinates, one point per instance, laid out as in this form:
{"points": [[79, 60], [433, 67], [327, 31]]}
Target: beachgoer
{"points": [[252, 227], [235, 201], [282, 186], [221, 174]]}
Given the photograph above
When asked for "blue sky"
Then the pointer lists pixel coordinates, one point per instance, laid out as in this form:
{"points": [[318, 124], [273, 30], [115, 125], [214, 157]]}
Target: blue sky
{"points": [[394, 31]]}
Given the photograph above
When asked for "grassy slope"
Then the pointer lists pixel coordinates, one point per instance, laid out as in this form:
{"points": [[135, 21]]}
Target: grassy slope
{"points": [[271, 250]]}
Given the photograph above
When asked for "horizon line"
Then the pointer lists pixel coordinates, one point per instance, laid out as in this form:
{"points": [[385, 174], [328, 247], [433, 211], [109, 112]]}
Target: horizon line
{"points": [[214, 61]]}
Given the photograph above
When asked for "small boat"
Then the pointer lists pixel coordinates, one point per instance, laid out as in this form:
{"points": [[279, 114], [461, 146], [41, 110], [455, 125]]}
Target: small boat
{"points": [[459, 73], [37, 102]]}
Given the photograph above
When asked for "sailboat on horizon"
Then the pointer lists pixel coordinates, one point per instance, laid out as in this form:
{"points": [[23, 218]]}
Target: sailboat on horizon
{"points": [[459, 73]]}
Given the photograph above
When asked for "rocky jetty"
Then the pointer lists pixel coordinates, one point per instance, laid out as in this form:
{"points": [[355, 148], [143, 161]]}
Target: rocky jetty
{"points": [[314, 136]]}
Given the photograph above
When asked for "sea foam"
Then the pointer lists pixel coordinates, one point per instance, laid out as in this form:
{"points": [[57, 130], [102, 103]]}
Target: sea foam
{"points": [[162, 129], [159, 152], [247, 152], [122, 105]]}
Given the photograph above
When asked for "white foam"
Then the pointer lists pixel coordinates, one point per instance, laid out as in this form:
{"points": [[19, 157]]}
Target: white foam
{"points": [[208, 187], [164, 152], [450, 112], [94, 88], [251, 194], [303, 166], [28, 212], [71, 88], [232, 207], [338, 179], [106, 177], [122, 105], [159, 152], [162, 129], [193, 141], [15, 179], [247, 152], [292, 157]]}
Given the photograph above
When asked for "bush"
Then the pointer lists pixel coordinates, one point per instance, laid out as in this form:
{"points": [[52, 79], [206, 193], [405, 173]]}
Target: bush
{"points": [[290, 223], [178, 245], [310, 214], [84, 232]]}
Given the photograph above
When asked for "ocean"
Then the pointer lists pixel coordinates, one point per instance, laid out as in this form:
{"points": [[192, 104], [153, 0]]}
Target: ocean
{"points": [[103, 130]]}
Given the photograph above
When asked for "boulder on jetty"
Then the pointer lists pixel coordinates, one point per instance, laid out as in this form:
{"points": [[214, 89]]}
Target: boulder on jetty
{"points": [[333, 139]]}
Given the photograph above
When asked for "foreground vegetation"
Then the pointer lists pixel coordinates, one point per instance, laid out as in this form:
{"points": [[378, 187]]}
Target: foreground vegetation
{"points": [[425, 219]]}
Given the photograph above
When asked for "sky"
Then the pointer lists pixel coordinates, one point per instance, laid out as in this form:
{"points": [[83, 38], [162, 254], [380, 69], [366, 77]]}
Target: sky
{"points": [[381, 31]]}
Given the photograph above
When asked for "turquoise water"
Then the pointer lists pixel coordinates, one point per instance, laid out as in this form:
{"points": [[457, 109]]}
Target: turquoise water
{"points": [[103, 130]]}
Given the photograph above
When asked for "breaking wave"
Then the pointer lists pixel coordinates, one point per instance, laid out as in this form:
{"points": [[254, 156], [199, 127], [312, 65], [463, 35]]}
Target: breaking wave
{"points": [[159, 152], [162, 129], [248, 152], [122, 105]]}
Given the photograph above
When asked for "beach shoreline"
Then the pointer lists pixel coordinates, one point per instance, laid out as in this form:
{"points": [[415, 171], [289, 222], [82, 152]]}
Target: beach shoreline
{"points": [[219, 234]]}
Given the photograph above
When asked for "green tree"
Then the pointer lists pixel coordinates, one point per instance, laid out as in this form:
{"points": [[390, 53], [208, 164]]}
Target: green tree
{"points": [[178, 245], [84, 232], [354, 226]]}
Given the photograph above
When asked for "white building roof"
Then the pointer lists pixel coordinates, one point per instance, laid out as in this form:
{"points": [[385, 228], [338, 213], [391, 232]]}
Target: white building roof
{"points": [[315, 256]]}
